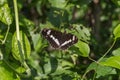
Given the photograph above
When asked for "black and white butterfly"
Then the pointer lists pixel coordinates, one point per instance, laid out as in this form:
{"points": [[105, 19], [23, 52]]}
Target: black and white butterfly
{"points": [[59, 40]]}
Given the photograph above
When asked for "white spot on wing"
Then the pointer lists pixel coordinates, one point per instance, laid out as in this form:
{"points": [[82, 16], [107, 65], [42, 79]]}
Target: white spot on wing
{"points": [[56, 40], [48, 32], [73, 38], [66, 42]]}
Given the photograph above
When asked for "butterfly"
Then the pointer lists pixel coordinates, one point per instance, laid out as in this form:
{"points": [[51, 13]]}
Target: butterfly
{"points": [[59, 40]]}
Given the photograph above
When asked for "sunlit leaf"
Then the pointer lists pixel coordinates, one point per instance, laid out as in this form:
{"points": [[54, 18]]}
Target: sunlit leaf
{"points": [[83, 48], [7, 73], [5, 15], [116, 52], [112, 62], [116, 31], [58, 3], [20, 50]]}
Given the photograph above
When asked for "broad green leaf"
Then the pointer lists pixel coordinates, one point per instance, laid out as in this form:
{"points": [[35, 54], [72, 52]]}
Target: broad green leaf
{"points": [[83, 48], [116, 31], [6, 73], [101, 70], [116, 52], [81, 32], [58, 3], [112, 62], [20, 50], [5, 15], [37, 42]]}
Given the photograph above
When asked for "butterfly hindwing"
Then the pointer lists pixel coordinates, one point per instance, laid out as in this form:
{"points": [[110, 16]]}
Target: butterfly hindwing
{"points": [[68, 41], [58, 39]]}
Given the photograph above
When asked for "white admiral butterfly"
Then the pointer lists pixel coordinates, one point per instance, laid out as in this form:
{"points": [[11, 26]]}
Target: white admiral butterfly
{"points": [[59, 40]]}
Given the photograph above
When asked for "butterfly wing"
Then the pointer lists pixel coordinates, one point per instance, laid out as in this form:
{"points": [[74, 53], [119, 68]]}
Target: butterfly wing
{"points": [[58, 39], [68, 40], [52, 36]]}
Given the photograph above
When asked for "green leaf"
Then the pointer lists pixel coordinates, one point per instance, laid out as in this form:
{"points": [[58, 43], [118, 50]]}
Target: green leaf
{"points": [[116, 52], [112, 62], [7, 73], [101, 70], [5, 15], [37, 42], [81, 32], [83, 48], [20, 50], [116, 31], [58, 3]]}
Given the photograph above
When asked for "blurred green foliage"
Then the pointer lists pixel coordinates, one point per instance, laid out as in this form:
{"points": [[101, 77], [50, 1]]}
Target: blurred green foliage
{"points": [[96, 23]]}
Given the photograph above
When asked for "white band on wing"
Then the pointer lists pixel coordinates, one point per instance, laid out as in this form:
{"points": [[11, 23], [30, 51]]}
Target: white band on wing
{"points": [[48, 32], [54, 39], [66, 42]]}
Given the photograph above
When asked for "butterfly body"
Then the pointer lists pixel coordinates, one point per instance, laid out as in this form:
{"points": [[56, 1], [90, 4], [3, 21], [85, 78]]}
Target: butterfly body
{"points": [[59, 40]]}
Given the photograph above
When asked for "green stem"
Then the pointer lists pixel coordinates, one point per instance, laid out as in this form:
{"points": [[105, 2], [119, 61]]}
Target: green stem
{"points": [[107, 51], [92, 59], [83, 77], [99, 59], [6, 34], [18, 39], [16, 19]]}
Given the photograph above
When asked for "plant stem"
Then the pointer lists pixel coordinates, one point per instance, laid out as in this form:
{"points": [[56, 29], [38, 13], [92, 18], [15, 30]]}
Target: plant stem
{"points": [[16, 19], [107, 51], [6, 34]]}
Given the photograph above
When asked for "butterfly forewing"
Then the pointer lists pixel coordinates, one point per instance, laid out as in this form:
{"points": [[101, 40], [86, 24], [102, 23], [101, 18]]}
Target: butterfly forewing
{"points": [[51, 36], [58, 39]]}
